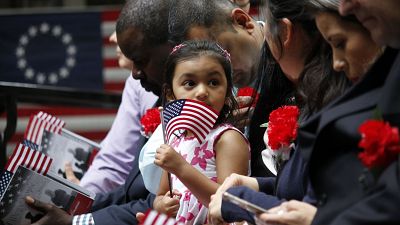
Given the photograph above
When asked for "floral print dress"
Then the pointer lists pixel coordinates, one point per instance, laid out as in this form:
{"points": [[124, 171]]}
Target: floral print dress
{"points": [[202, 157]]}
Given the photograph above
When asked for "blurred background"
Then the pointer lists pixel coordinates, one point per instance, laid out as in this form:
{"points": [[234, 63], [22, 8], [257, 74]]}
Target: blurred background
{"points": [[57, 3], [60, 44]]}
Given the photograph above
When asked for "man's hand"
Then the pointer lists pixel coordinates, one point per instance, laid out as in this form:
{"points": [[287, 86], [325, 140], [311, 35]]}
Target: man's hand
{"points": [[69, 173], [52, 214]]}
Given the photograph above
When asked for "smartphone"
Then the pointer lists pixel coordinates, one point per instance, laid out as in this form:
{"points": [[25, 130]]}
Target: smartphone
{"points": [[255, 209]]}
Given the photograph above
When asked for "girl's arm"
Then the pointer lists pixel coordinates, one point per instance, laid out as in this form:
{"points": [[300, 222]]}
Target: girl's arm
{"points": [[163, 203], [164, 186], [232, 156]]}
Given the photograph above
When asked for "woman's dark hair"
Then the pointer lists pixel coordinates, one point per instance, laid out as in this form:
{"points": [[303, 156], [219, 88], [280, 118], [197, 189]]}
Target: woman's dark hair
{"points": [[294, 10], [315, 6], [275, 90], [194, 49], [318, 83]]}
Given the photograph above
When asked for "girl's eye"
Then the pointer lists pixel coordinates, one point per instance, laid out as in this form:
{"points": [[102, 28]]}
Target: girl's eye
{"points": [[214, 82], [188, 83]]}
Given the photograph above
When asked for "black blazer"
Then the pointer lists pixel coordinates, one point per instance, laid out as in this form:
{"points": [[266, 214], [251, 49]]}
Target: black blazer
{"points": [[121, 205], [329, 139]]}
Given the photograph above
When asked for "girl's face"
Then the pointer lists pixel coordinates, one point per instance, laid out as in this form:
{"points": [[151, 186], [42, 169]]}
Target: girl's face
{"points": [[353, 49], [201, 78]]}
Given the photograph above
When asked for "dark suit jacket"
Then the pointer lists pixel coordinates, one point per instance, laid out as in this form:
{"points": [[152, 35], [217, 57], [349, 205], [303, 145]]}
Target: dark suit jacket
{"points": [[120, 206], [329, 141]]}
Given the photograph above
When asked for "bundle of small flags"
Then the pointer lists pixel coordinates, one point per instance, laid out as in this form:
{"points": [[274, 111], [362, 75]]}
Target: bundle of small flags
{"points": [[27, 153], [40, 122], [27, 157]]}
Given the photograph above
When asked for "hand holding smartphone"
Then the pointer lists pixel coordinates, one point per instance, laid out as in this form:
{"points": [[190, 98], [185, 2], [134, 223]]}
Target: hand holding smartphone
{"points": [[255, 209]]}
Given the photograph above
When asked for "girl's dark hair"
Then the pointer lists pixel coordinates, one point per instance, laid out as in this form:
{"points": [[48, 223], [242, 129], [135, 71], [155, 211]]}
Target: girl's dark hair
{"points": [[318, 83], [193, 49]]}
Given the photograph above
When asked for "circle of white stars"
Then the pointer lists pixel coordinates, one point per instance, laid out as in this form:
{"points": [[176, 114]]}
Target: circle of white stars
{"points": [[41, 77]]}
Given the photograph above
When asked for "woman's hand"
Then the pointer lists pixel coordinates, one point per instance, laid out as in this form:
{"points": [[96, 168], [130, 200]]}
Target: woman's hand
{"points": [[214, 208], [167, 205], [239, 180], [290, 213], [167, 158]]}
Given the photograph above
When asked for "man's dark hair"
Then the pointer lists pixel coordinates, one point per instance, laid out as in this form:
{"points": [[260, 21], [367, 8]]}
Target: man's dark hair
{"points": [[148, 16], [186, 14]]}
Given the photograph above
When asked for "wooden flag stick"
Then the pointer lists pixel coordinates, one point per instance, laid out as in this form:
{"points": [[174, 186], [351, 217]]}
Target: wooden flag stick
{"points": [[165, 142]]}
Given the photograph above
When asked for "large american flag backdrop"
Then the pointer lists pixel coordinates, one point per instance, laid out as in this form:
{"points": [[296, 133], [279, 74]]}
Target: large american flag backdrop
{"points": [[68, 49]]}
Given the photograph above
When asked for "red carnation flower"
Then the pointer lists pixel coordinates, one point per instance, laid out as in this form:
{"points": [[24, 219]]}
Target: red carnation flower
{"points": [[248, 91], [380, 142], [282, 126], [150, 121]]}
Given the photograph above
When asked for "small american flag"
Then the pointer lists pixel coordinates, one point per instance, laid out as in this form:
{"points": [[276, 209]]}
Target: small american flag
{"points": [[190, 115], [27, 157], [40, 122], [4, 181], [152, 217], [31, 145], [54, 122]]}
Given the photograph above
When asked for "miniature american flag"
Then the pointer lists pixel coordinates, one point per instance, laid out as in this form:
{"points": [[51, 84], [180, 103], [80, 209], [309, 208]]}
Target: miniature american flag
{"points": [[40, 122], [190, 115], [152, 217], [28, 158]]}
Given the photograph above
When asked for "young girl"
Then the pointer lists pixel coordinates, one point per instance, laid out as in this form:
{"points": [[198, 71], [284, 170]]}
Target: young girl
{"points": [[201, 71]]}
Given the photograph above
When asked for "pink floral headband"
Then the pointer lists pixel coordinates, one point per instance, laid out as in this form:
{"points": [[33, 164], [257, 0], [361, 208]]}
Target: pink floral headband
{"points": [[225, 52], [176, 48]]}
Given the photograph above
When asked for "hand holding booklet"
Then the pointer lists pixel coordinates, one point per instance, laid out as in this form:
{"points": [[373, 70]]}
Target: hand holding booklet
{"points": [[36, 169], [255, 209], [25, 182]]}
